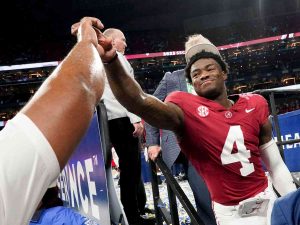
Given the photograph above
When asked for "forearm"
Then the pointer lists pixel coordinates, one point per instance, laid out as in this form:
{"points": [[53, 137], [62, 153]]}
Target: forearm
{"points": [[282, 180], [129, 93], [68, 95], [279, 173], [125, 88]]}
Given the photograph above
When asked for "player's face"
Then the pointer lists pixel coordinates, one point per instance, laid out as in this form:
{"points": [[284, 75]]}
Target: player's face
{"points": [[119, 42], [208, 78]]}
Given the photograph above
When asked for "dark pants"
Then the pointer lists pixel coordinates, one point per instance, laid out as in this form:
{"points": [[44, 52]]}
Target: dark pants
{"points": [[132, 191]]}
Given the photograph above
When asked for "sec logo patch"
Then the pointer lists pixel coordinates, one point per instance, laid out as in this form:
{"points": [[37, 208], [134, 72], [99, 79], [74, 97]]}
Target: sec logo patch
{"points": [[203, 111]]}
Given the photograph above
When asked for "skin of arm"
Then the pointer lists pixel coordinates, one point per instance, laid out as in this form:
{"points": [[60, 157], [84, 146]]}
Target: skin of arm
{"points": [[63, 106], [279, 173], [131, 96]]}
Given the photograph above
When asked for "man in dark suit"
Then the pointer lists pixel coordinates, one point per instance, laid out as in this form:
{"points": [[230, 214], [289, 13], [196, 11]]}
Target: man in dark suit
{"points": [[176, 81]]}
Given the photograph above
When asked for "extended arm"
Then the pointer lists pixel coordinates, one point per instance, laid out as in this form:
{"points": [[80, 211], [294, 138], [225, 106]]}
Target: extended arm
{"points": [[129, 94], [63, 106], [279, 173]]}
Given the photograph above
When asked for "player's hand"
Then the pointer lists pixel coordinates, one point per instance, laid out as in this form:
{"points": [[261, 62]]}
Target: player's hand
{"points": [[88, 29], [138, 129], [153, 152]]}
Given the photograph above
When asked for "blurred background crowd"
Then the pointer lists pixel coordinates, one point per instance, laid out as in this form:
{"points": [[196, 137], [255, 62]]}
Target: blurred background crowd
{"points": [[273, 60]]}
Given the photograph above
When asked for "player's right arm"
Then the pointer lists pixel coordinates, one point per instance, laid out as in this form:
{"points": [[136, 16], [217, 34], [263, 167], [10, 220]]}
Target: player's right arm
{"points": [[131, 96]]}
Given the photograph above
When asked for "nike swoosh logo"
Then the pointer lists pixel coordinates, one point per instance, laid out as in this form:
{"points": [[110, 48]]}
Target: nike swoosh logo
{"points": [[249, 110]]}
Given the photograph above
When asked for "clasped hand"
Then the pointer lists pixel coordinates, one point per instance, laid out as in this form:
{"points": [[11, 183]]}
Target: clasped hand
{"points": [[89, 29]]}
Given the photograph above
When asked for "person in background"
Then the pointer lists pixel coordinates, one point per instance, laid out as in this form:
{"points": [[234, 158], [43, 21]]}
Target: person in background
{"points": [[36, 144], [52, 212], [225, 139], [166, 143], [125, 129]]}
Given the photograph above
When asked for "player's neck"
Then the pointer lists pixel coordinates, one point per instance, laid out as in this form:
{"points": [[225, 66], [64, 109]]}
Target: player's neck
{"points": [[224, 101], [231, 102], [227, 103]]}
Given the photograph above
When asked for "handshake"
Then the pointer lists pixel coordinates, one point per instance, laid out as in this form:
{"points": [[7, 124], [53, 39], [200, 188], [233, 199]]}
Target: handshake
{"points": [[89, 29]]}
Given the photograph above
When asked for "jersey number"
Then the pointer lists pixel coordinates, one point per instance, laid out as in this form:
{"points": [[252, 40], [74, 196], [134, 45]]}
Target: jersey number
{"points": [[235, 135]]}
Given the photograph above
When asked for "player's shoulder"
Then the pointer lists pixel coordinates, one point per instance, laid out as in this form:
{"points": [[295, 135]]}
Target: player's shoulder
{"points": [[253, 99], [179, 97]]}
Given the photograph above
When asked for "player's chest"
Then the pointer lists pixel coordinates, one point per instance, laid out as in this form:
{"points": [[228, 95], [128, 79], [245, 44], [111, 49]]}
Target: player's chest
{"points": [[218, 122]]}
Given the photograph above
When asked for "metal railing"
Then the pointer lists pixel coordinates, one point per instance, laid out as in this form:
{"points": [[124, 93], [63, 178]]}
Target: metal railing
{"points": [[174, 191]]}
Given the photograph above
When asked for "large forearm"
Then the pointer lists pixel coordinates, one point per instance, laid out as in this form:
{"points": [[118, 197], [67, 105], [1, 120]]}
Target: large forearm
{"points": [[131, 96], [125, 88], [64, 104]]}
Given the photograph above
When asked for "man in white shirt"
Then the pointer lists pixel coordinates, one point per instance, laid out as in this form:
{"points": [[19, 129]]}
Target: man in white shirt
{"points": [[125, 129]]}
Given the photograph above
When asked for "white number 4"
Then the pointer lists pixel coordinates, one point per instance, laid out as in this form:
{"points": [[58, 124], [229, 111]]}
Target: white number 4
{"points": [[235, 135]]}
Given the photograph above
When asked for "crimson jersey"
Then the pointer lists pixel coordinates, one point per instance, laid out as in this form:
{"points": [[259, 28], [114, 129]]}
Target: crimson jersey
{"points": [[223, 144]]}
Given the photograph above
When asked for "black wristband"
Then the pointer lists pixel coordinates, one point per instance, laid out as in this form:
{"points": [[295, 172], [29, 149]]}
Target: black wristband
{"points": [[112, 60]]}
